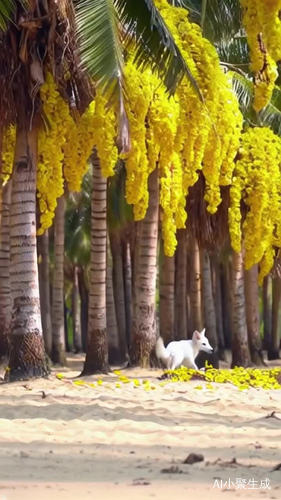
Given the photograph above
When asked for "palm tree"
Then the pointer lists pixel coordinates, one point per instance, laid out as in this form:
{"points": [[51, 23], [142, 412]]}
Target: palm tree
{"points": [[42, 36], [44, 285], [5, 286]]}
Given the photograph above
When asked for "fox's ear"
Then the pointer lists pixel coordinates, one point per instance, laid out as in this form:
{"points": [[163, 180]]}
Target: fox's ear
{"points": [[203, 331], [196, 335]]}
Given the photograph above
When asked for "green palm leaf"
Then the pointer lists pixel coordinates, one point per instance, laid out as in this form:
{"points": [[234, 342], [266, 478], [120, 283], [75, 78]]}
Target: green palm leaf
{"points": [[100, 23], [6, 10]]}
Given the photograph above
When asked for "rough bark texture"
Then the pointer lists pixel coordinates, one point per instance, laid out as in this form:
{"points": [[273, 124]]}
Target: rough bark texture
{"points": [[226, 285], [111, 321], [144, 318], [240, 348], [27, 354], [127, 267], [267, 312], [252, 314], [119, 291], [76, 312], [58, 347], [209, 310], [180, 287], [44, 284], [273, 351], [97, 345], [195, 293], [167, 298], [5, 286]]}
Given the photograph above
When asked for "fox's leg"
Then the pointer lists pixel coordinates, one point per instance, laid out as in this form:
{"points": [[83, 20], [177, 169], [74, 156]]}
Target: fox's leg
{"points": [[176, 361], [189, 363]]}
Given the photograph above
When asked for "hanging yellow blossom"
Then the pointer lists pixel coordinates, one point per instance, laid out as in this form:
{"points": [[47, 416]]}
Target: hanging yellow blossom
{"points": [[8, 148]]}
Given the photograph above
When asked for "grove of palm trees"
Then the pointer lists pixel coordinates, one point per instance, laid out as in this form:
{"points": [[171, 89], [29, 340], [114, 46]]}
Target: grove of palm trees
{"points": [[140, 200]]}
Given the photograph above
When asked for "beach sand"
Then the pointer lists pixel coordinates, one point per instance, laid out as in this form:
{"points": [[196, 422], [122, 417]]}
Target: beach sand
{"points": [[59, 440]]}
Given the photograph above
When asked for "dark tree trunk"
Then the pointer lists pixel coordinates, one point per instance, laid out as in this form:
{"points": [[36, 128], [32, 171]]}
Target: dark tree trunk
{"points": [[273, 351], [180, 287], [97, 345], [27, 354], [240, 347], [127, 267], [209, 310], [226, 286], [252, 314], [119, 291], [76, 311], [167, 298], [84, 308], [218, 306], [44, 284], [267, 311], [58, 323], [144, 317], [195, 286], [5, 284], [111, 321]]}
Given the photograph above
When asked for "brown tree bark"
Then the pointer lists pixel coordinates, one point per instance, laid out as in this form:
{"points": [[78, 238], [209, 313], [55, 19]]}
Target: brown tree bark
{"points": [[144, 317], [240, 347], [27, 355], [273, 351], [44, 286], [76, 311], [97, 344], [226, 286], [119, 291], [195, 286], [252, 314], [180, 331], [218, 306], [5, 285], [267, 311], [58, 330], [167, 298]]}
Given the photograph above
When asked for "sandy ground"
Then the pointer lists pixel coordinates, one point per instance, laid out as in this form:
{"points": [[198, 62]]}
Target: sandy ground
{"points": [[63, 441]]}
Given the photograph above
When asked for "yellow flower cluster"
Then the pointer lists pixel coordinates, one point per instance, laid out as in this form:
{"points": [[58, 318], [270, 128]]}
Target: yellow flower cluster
{"points": [[180, 134], [261, 19], [243, 378], [257, 186], [52, 137], [208, 134], [7, 152], [65, 146]]}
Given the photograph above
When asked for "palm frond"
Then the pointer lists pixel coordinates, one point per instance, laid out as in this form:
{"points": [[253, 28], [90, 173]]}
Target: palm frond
{"points": [[155, 44], [270, 116], [6, 9]]}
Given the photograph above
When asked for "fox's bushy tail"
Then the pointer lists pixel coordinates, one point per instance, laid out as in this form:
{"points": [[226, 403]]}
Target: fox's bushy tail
{"points": [[161, 352]]}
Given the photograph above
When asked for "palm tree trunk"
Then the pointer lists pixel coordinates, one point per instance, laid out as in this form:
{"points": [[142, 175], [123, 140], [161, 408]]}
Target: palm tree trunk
{"points": [[252, 314], [84, 308], [195, 286], [180, 287], [97, 345], [27, 355], [76, 311], [5, 285], [119, 291], [111, 321], [226, 287], [144, 317], [127, 267], [240, 348], [209, 309], [273, 351], [218, 306], [167, 298], [44, 285], [58, 329], [267, 312]]}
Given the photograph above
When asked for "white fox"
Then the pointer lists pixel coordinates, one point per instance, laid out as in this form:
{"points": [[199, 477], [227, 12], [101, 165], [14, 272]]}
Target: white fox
{"points": [[182, 352]]}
